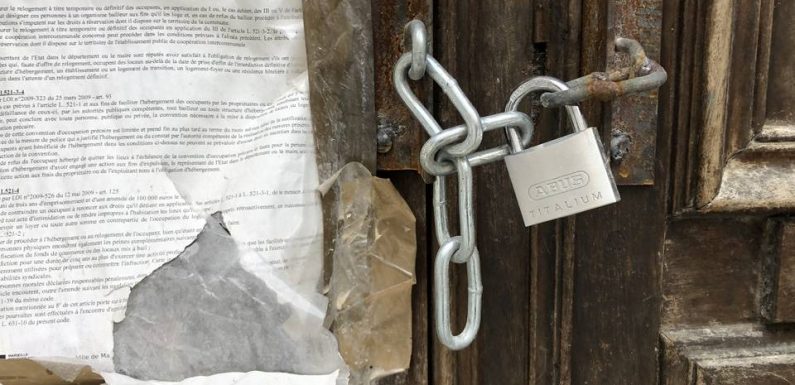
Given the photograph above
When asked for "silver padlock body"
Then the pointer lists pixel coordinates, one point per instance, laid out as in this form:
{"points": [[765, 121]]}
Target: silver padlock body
{"points": [[562, 177]]}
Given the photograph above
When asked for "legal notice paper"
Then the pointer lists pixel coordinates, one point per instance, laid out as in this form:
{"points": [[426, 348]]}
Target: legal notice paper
{"points": [[123, 125]]}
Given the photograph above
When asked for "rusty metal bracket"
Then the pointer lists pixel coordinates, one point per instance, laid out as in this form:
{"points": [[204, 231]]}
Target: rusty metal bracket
{"points": [[642, 75]]}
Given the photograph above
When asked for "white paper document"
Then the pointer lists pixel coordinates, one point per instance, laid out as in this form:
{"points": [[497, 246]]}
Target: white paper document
{"points": [[123, 124], [253, 378]]}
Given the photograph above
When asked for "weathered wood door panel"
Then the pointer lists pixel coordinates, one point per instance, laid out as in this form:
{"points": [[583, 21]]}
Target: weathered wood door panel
{"points": [[729, 253], [690, 278]]}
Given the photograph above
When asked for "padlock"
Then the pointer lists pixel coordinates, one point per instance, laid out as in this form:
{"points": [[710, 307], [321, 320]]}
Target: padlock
{"points": [[561, 177]]}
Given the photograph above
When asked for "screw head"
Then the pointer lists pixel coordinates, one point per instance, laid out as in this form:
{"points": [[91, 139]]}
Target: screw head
{"points": [[619, 146]]}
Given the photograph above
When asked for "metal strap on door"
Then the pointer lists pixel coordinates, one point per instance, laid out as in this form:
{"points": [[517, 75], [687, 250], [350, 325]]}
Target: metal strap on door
{"points": [[551, 193]]}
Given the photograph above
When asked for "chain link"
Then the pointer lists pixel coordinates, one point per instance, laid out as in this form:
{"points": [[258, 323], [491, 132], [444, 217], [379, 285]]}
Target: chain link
{"points": [[447, 152], [434, 148], [450, 87], [454, 151]]}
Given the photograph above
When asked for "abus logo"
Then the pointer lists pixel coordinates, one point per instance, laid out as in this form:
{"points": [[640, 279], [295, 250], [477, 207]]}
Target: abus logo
{"points": [[559, 185]]}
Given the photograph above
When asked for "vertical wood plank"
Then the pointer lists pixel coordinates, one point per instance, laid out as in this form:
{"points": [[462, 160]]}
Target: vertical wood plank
{"points": [[777, 284], [593, 56], [447, 365], [687, 98], [743, 76], [670, 92], [616, 256], [340, 65], [782, 69], [339, 39], [565, 311], [556, 54], [489, 58], [697, 97], [763, 64], [785, 289], [616, 289], [543, 328], [711, 271], [717, 67]]}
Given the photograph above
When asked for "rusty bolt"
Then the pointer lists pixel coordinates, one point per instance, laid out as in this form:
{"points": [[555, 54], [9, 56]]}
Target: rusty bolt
{"points": [[385, 135], [619, 146], [384, 141]]}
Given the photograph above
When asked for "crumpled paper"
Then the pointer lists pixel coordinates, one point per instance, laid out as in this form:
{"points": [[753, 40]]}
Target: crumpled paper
{"points": [[252, 378], [166, 336], [218, 308], [373, 272]]}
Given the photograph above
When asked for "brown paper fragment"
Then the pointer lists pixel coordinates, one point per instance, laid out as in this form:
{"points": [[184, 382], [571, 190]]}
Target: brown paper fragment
{"points": [[28, 372], [372, 276]]}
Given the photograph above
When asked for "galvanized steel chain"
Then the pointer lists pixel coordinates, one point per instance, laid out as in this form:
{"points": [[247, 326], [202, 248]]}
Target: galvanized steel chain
{"points": [[459, 249], [447, 152], [455, 151]]}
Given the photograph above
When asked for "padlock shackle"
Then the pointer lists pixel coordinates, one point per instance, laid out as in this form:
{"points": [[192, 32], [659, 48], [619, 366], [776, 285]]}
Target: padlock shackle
{"points": [[540, 84]]}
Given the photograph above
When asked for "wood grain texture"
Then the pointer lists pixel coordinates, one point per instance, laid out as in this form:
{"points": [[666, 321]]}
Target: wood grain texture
{"points": [[711, 271], [339, 40], [729, 156], [781, 87], [489, 58], [765, 371], [736, 354], [669, 100], [684, 44], [552, 260], [785, 298], [616, 256], [766, 9], [616, 295], [743, 80], [717, 67], [778, 271], [758, 179]]}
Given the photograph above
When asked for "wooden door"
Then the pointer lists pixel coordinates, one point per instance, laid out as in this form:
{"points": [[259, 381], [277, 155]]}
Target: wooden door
{"points": [[690, 278], [729, 262]]}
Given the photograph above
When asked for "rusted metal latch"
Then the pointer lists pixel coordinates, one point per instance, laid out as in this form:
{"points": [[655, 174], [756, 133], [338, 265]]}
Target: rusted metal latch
{"points": [[643, 75]]}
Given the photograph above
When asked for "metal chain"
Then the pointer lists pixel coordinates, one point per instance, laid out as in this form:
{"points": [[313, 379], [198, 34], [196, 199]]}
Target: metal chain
{"points": [[454, 151], [448, 85], [447, 152]]}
